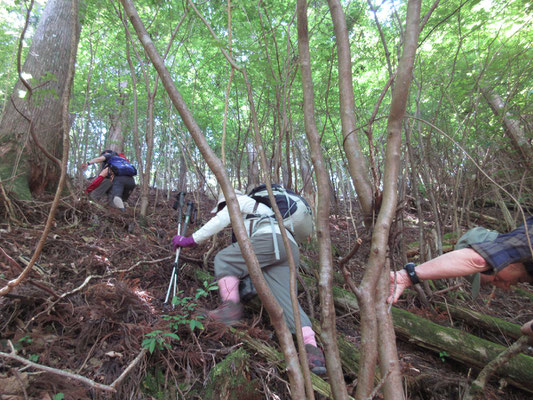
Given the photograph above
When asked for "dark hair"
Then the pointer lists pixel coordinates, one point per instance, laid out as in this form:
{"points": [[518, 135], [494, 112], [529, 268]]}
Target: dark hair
{"points": [[107, 151]]}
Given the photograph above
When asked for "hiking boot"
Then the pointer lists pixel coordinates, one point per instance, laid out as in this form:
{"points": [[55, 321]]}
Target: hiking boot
{"points": [[229, 313], [315, 359]]}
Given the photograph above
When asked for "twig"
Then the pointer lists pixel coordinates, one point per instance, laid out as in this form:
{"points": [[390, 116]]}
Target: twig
{"points": [[60, 372], [378, 386], [21, 382], [477, 387], [128, 369], [9, 206], [358, 244], [451, 288], [143, 262]]}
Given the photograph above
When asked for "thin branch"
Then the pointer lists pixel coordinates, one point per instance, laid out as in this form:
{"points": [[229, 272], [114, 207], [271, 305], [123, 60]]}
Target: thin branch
{"points": [[477, 387], [128, 369], [70, 375]]}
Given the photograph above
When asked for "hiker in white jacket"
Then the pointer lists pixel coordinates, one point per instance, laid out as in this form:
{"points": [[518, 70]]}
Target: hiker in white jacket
{"points": [[230, 267]]}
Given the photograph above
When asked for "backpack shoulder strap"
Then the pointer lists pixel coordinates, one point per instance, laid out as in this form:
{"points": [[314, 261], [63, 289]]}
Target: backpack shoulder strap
{"points": [[252, 221]]}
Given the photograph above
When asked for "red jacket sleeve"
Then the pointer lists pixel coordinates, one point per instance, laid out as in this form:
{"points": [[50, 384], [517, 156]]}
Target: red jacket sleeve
{"points": [[94, 184]]}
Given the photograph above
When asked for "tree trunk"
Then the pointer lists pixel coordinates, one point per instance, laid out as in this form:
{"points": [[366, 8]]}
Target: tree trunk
{"points": [[512, 127], [253, 166], [25, 167], [115, 140], [366, 293], [329, 330], [274, 310], [356, 162]]}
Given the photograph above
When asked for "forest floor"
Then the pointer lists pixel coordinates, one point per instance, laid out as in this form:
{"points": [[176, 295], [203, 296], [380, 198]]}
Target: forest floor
{"points": [[97, 291]]}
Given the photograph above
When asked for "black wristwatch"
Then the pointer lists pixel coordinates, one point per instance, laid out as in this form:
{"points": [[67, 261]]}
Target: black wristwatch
{"points": [[410, 268]]}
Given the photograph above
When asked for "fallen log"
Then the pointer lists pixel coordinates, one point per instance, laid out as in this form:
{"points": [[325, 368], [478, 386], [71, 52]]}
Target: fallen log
{"points": [[464, 347], [482, 321]]}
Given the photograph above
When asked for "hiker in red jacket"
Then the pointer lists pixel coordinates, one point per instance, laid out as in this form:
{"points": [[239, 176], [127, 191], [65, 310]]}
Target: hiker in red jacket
{"points": [[115, 179]]}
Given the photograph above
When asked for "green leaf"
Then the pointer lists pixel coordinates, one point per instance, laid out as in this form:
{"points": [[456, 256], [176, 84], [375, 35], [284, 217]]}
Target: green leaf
{"points": [[172, 335], [195, 324]]}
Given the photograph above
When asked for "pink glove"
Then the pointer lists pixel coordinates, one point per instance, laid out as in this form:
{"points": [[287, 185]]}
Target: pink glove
{"points": [[183, 241]]}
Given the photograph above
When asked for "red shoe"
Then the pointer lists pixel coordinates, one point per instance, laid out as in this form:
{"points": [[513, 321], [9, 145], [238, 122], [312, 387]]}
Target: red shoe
{"points": [[315, 359], [229, 313]]}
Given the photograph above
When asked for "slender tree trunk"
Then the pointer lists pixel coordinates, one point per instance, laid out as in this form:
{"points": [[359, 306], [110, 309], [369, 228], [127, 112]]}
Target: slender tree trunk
{"points": [[329, 332], [31, 165], [356, 161], [253, 166], [366, 293], [511, 126], [149, 139], [115, 140], [306, 172]]}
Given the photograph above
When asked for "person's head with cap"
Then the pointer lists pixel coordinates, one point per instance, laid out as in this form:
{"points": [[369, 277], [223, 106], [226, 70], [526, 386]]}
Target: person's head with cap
{"points": [[221, 202]]}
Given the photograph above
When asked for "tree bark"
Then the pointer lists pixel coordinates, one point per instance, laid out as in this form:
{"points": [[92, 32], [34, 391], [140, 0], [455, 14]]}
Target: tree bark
{"points": [[356, 161], [25, 167], [115, 140], [366, 293], [329, 332], [512, 127]]}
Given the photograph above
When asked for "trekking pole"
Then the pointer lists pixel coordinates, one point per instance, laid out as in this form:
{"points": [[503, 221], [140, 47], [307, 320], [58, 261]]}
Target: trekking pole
{"points": [[174, 275], [178, 205]]}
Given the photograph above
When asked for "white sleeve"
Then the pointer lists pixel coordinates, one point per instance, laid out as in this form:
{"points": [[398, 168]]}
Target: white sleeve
{"points": [[221, 220]]}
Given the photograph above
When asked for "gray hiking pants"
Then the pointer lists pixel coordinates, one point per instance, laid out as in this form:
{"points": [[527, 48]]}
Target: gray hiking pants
{"points": [[230, 262]]}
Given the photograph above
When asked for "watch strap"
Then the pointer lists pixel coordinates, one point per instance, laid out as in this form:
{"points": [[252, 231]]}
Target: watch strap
{"points": [[410, 269]]}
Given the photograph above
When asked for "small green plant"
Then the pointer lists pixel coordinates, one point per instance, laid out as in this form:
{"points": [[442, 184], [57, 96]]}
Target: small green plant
{"points": [[25, 339], [443, 355], [204, 292], [58, 396], [187, 305], [156, 340], [34, 357]]}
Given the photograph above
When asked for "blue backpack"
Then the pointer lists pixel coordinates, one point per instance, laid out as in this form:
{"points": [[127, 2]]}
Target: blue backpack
{"points": [[121, 167]]}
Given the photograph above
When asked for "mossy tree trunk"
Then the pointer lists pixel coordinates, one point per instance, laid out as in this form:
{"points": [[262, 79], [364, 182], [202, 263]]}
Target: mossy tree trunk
{"points": [[31, 123]]}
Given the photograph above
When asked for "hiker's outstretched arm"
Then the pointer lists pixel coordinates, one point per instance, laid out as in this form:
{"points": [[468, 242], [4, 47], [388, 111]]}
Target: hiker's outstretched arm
{"points": [[93, 161], [450, 265]]}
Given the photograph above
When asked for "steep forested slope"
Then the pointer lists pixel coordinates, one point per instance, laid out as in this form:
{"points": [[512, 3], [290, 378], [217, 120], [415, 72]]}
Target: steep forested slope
{"points": [[93, 307]]}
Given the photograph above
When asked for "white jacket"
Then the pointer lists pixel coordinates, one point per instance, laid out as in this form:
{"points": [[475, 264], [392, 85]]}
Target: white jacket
{"points": [[246, 204]]}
